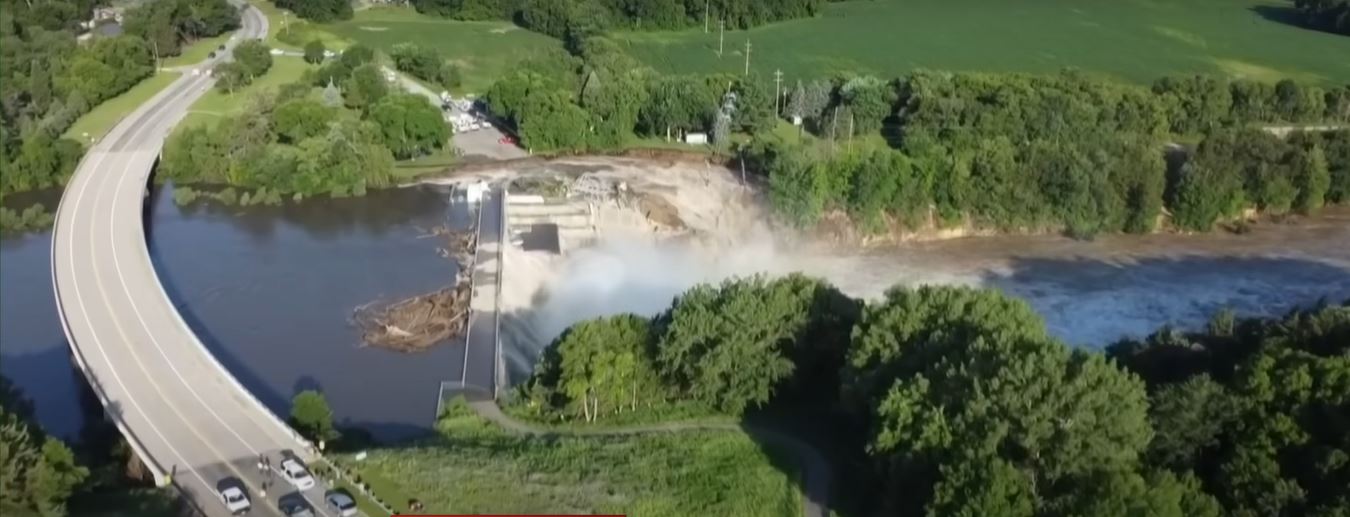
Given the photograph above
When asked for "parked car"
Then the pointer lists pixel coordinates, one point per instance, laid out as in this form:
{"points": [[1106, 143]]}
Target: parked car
{"points": [[211, 54], [232, 495], [296, 474], [222, 47], [341, 503], [294, 505]]}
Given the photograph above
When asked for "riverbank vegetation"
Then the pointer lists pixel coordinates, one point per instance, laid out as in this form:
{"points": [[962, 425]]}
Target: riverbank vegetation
{"points": [[956, 401], [472, 466], [48, 80], [337, 131], [1027, 153], [32, 219]]}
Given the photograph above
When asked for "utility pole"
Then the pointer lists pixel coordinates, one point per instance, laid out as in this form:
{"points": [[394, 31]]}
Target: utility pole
{"points": [[705, 16], [721, 36], [155, 42], [747, 56], [777, 95]]}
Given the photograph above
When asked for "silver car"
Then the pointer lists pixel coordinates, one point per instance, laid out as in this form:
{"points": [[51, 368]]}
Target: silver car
{"points": [[341, 503]]}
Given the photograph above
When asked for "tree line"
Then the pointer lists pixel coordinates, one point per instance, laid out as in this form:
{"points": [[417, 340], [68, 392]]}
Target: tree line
{"points": [[318, 10], [575, 20], [427, 64], [337, 131], [1327, 15], [47, 80], [1015, 152], [38, 472], [961, 403]]}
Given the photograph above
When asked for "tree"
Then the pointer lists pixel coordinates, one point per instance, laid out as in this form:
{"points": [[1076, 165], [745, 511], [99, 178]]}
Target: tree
{"points": [[1188, 418], [314, 52], [816, 99], [797, 102], [732, 346], [231, 76], [869, 101], [365, 87], [721, 130], [311, 416], [944, 373], [331, 96], [299, 119], [255, 56], [319, 10], [411, 126], [1314, 179], [602, 366], [37, 472], [357, 55]]}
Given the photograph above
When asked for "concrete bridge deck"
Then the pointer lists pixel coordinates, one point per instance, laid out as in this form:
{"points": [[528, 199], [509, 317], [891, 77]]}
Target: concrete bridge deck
{"points": [[185, 415]]}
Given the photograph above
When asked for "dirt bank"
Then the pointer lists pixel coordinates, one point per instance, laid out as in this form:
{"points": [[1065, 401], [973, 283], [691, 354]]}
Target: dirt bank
{"points": [[1089, 292]]}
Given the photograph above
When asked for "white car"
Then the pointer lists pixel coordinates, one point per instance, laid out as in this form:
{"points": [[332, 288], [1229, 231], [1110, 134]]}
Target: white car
{"points": [[235, 500], [296, 474]]}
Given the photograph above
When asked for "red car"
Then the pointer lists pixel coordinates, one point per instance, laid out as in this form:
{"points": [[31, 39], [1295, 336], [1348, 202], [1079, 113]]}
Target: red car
{"points": [[507, 140]]}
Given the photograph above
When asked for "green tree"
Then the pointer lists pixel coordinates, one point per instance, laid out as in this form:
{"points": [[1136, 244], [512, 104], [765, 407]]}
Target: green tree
{"points": [[1313, 178], [942, 373], [733, 346], [984, 487], [314, 52], [299, 119], [357, 55], [1188, 418], [311, 416], [38, 473], [365, 88], [797, 101], [255, 56], [231, 76], [602, 366], [411, 126]]}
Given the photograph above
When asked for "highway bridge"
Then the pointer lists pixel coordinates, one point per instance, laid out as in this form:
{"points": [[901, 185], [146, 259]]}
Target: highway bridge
{"points": [[185, 415]]}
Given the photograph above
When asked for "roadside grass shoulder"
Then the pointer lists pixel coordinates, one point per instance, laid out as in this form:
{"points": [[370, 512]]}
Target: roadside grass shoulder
{"points": [[197, 51], [215, 104], [103, 117]]}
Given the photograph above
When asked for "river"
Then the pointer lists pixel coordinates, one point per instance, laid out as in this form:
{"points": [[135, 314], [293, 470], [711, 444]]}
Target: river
{"points": [[270, 289]]}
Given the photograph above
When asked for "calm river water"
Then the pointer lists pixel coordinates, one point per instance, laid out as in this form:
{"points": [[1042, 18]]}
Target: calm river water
{"points": [[270, 290]]}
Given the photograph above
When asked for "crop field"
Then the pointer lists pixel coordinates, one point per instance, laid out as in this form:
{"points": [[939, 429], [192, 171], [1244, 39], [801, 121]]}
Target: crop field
{"points": [[473, 467], [1137, 40], [483, 50]]}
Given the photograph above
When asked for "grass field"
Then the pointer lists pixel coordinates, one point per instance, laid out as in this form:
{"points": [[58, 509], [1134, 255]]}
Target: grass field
{"points": [[484, 50], [215, 104], [104, 116], [474, 467], [1138, 40], [198, 51]]}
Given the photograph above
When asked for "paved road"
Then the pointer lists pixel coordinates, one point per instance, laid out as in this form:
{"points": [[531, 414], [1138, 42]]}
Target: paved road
{"points": [[484, 142], [185, 415]]}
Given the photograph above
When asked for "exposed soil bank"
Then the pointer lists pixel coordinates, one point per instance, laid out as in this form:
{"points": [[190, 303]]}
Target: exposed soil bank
{"points": [[1091, 293]]}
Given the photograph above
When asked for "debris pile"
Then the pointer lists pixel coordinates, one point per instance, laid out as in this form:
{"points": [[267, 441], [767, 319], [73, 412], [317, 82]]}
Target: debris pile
{"points": [[423, 321]]}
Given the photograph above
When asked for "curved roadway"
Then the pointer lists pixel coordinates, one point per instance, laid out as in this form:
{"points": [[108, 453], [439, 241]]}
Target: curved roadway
{"points": [[187, 417]]}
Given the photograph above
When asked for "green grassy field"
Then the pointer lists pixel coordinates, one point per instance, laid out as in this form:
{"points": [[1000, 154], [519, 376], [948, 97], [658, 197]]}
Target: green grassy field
{"points": [[474, 467], [1138, 40], [198, 51], [484, 50], [104, 116], [215, 104]]}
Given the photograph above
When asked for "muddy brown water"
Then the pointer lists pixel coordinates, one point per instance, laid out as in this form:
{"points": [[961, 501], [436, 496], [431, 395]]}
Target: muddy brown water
{"points": [[270, 290]]}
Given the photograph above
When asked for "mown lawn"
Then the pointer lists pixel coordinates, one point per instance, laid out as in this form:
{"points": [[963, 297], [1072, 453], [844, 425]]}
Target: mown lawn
{"points": [[1138, 40], [476, 468], [483, 50], [215, 104], [198, 51], [103, 117]]}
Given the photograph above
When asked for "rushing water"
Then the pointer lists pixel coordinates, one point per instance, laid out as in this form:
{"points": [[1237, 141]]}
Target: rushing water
{"points": [[270, 290]]}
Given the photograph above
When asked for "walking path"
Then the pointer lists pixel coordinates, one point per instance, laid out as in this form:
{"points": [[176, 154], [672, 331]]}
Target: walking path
{"points": [[815, 468]]}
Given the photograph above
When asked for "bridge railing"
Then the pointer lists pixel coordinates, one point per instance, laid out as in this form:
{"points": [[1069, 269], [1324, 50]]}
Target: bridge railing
{"points": [[111, 408]]}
